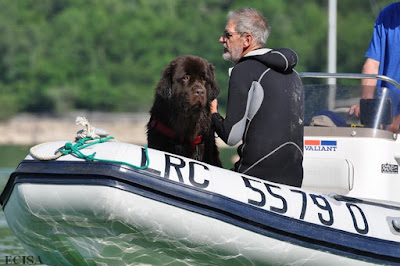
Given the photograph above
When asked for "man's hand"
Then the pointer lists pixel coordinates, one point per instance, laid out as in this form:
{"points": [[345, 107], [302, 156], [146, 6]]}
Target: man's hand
{"points": [[355, 109], [394, 126], [214, 106]]}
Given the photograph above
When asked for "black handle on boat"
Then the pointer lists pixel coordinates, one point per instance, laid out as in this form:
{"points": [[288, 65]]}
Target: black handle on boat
{"points": [[348, 76]]}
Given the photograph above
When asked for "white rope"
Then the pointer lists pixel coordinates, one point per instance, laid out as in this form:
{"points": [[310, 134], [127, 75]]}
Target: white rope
{"points": [[35, 154], [88, 132]]}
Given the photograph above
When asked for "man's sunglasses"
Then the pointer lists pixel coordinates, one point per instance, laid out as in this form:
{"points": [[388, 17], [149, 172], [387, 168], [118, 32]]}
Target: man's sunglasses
{"points": [[226, 34]]}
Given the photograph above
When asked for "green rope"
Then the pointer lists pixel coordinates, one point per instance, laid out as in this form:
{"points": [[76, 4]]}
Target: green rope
{"points": [[74, 150]]}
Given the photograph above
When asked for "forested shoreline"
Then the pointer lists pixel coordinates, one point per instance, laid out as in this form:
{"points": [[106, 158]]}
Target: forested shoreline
{"points": [[61, 55]]}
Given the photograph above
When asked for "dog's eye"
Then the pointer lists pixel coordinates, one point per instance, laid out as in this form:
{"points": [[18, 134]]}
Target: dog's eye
{"points": [[186, 78]]}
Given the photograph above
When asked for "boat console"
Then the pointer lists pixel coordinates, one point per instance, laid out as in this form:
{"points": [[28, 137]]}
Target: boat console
{"points": [[354, 156]]}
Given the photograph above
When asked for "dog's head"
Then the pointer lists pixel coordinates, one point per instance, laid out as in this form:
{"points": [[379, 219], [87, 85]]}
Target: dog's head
{"points": [[190, 80]]}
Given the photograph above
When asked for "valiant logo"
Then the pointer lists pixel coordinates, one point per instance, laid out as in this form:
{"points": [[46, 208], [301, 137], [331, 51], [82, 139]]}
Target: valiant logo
{"points": [[320, 145]]}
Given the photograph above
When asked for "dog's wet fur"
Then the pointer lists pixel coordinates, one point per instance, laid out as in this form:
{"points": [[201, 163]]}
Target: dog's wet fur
{"points": [[181, 110]]}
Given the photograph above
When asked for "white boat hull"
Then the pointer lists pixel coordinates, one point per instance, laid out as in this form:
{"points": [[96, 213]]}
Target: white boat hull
{"points": [[183, 211]]}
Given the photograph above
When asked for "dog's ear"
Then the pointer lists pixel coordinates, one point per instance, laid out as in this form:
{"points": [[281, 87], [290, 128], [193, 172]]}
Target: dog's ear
{"points": [[214, 91], [164, 86]]}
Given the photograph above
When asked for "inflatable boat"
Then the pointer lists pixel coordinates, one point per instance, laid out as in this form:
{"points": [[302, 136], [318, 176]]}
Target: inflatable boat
{"points": [[97, 201]]}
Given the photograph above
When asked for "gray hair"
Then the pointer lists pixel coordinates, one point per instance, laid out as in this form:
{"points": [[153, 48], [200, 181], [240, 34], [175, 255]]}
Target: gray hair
{"points": [[251, 21]]}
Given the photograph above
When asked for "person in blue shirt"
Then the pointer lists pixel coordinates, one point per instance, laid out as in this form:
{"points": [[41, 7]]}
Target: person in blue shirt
{"points": [[383, 58]]}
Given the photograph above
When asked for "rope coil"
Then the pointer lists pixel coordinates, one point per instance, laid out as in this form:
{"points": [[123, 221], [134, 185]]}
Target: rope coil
{"points": [[74, 149], [84, 139]]}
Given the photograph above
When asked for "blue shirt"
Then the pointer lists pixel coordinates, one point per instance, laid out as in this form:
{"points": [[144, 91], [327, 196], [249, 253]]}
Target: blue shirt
{"points": [[385, 48]]}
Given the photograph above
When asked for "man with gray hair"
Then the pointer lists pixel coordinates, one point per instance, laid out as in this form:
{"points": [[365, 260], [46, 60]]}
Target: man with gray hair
{"points": [[265, 102]]}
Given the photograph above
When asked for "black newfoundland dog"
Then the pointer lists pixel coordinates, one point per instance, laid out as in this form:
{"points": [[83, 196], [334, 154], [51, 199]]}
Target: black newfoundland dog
{"points": [[180, 121]]}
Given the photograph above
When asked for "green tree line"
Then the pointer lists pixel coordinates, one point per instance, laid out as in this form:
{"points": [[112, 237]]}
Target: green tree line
{"points": [[107, 55]]}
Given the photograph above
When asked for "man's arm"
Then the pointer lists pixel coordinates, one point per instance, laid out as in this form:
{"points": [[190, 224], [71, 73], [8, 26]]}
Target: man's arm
{"points": [[231, 128], [371, 66]]}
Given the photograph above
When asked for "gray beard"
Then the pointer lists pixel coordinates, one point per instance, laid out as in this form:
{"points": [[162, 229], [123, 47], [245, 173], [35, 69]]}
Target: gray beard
{"points": [[233, 56]]}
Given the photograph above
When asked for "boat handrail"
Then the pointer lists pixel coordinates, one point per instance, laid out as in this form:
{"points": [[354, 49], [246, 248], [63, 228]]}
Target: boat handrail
{"points": [[348, 76]]}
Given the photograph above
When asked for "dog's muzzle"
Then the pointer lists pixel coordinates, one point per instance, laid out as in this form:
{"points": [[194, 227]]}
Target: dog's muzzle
{"points": [[199, 91]]}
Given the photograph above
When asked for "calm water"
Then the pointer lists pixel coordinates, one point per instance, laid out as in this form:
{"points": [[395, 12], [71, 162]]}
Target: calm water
{"points": [[11, 251], [10, 248]]}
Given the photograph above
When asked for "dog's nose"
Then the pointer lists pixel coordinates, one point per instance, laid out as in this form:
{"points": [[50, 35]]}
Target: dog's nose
{"points": [[199, 91]]}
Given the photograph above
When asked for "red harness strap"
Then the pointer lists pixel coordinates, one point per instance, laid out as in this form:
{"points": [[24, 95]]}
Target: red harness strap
{"points": [[163, 129], [172, 135], [194, 142]]}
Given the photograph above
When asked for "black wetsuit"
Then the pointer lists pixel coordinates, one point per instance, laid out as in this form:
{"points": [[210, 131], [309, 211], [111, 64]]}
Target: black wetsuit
{"points": [[266, 110]]}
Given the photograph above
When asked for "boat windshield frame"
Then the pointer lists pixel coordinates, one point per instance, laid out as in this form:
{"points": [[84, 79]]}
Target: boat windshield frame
{"points": [[348, 76], [381, 105]]}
